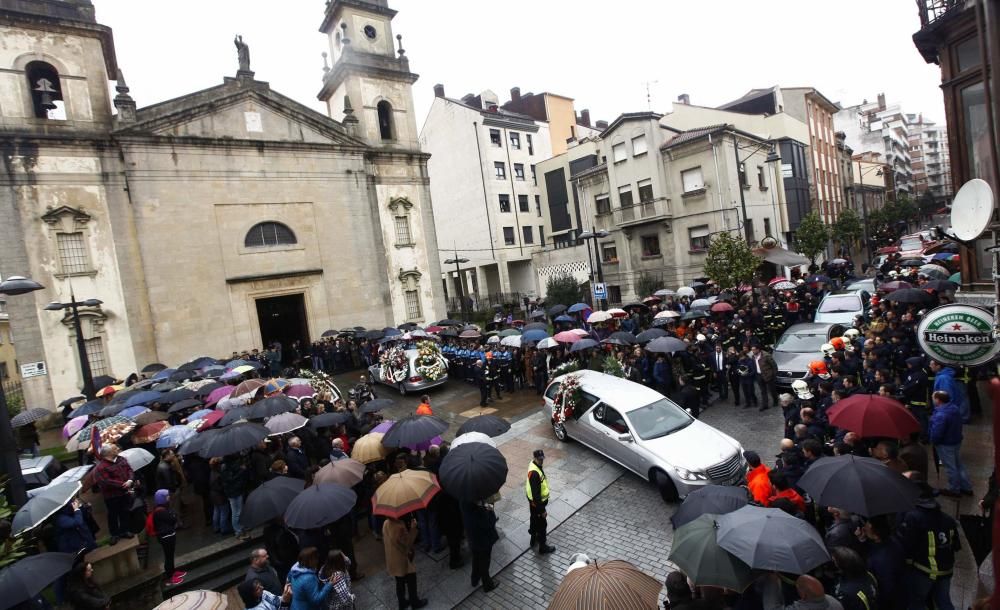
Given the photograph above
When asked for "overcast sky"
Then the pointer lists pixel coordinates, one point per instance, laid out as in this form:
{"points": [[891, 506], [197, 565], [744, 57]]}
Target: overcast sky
{"points": [[599, 53]]}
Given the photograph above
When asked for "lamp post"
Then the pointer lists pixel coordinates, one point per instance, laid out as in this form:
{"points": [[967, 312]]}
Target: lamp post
{"points": [[595, 235], [458, 281], [12, 286], [81, 347], [864, 205], [772, 157]]}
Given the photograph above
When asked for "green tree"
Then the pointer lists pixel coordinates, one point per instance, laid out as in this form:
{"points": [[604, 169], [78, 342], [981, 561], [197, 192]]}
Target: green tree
{"points": [[847, 229], [730, 261], [562, 289], [646, 284], [812, 236]]}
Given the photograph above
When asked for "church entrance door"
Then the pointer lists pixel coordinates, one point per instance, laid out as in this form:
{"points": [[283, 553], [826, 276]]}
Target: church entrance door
{"points": [[283, 320]]}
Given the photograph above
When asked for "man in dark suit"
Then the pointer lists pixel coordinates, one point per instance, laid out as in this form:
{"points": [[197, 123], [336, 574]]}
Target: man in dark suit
{"points": [[720, 371], [296, 459], [767, 372], [480, 376], [689, 397]]}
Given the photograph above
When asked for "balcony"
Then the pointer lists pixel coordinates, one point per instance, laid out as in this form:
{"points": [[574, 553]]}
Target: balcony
{"points": [[932, 10], [640, 213]]}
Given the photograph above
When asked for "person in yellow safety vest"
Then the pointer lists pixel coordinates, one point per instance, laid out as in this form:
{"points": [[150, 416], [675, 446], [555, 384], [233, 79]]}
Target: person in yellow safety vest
{"points": [[536, 488]]}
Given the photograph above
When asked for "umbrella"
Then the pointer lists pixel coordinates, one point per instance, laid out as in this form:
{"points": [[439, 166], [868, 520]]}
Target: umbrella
{"points": [[469, 334], [472, 471], [31, 415], [567, 337], [270, 500], [175, 436], [817, 279], [666, 345], [940, 286], [248, 386], [594, 318], [272, 405], [493, 340], [617, 312], [103, 381], [607, 586], [111, 409], [91, 406], [175, 396], [328, 420], [344, 472], [102, 425], [369, 448], [697, 553], [511, 341], [149, 432], [284, 423], [913, 262], [509, 332], [785, 285], [694, 314], [555, 310], [664, 292], [137, 457], [648, 335], [538, 313], [203, 389], [133, 412], [319, 505], [892, 286], [565, 318], [620, 338], [384, 426], [534, 334], [404, 493], [669, 313], [859, 485], [547, 343], [231, 439], [777, 280], [74, 425], [149, 417], [25, 579], [234, 415], [714, 499], [141, 398], [700, 304], [449, 322], [721, 307], [71, 400], [330, 333], [910, 295], [275, 385], [869, 416], [414, 429], [209, 420], [155, 367], [200, 599], [584, 344], [490, 425], [300, 391], [43, 505], [955, 277], [685, 291], [164, 374], [472, 437], [378, 404], [218, 394], [771, 539], [199, 414], [936, 271], [838, 261]]}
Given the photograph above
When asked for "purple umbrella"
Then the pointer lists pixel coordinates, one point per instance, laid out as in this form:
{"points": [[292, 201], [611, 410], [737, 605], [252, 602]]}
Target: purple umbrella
{"points": [[425, 445], [300, 391], [383, 427], [218, 394]]}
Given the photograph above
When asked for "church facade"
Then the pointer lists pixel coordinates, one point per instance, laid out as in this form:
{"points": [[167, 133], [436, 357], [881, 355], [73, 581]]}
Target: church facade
{"points": [[222, 220]]}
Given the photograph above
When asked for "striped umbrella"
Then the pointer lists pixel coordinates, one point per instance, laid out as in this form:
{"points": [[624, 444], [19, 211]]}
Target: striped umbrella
{"points": [[104, 424], [31, 415], [406, 492], [608, 585], [248, 386]]}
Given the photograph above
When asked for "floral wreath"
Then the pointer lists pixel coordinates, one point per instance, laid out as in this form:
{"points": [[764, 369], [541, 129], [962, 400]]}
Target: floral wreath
{"points": [[566, 399], [320, 381], [564, 368], [611, 366], [393, 364], [430, 363]]}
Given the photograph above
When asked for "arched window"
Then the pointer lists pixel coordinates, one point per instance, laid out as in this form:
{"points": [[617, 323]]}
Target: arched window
{"points": [[46, 92], [385, 126], [267, 234]]}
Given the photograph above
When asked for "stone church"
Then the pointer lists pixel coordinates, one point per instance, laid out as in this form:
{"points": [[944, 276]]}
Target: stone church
{"points": [[225, 219]]}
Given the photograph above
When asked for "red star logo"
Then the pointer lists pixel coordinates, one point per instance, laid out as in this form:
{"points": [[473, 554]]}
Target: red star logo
{"points": [[956, 327]]}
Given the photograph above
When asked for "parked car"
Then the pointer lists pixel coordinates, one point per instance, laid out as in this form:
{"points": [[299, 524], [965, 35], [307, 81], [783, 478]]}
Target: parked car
{"points": [[798, 346], [40, 471], [76, 473], [841, 306], [413, 382], [648, 434], [867, 285], [915, 244]]}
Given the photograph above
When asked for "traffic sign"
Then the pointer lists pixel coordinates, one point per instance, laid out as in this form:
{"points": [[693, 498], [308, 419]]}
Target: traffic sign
{"points": [[600, 290]]}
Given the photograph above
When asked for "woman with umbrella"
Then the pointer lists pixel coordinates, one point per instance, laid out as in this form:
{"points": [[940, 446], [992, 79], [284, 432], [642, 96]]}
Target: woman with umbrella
{"points": [[399, 537]]}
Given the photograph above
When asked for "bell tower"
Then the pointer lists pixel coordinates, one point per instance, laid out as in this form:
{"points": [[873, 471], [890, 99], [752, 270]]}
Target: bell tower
{"points": [[370, 69]]}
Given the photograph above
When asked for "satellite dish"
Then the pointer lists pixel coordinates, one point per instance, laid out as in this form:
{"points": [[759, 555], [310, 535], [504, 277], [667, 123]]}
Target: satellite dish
{"points": [[972, 209]]}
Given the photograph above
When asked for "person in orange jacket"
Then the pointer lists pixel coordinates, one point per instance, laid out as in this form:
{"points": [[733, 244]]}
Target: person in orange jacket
{"points": [[757, 480], [425, 406], [783, 490]]}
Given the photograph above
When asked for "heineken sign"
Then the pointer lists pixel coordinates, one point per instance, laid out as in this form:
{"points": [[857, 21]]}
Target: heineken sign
{"points": [[958, 334]]}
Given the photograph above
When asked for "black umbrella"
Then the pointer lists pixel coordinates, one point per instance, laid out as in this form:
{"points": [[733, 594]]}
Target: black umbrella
{"points": [[373, 334], [771, 539], [330, 333], [408, 326], [414, 429], [231, 439], [207, 389], [535, 326], [71, 400], [269, 500], [555, 310], [198, 363], [621, 338], [165, 386], [234, 415], [634, 305], [941, 286], [909, 295], [26, 578], [490, 425], [714, 499], [648, 335], [377, 404], [183, 405], [449, 322], [913, 262], [31, 415], [695, 314], [327, 420], [182, 375], [43, 505], [102, 381], [112, 408], [319, 505], [583, 344], [272, 405], [155, 367], [91, 406], [666, 345], [449, 332], [859, 485], [472, 471], [174, 396]]}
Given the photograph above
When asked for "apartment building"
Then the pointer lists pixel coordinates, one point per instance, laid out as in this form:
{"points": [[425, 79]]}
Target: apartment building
{"points": [[931, 160], [882, 128]]}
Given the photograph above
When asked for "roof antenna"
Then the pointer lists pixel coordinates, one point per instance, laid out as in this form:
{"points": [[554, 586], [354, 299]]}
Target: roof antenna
{"points": [[649, 94]]}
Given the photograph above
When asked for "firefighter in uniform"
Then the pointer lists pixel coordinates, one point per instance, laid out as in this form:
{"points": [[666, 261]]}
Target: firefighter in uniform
{"points": [[536, 488], [914, 390], [700, 374]]}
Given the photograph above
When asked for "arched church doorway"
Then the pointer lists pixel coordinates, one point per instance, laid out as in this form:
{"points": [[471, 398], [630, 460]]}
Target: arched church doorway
{"points": [[283, 320]]}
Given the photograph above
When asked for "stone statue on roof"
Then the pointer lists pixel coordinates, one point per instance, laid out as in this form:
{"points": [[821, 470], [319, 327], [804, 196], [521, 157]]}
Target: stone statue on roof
{"points": [[243, 52]]}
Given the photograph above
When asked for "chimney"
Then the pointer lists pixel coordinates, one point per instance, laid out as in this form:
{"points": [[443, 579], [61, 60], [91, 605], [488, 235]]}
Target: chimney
{"points": [[602, 124], [881, 101], [584, 117], [684, 98], [438, 90], [515, 94]]}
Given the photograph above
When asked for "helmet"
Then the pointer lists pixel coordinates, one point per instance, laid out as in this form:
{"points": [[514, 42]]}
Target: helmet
{"points": [[837, 343], [827, 349], [801, 389], [851, 334], [848, 346], [893, 273], [700, 337], [818, 369]]}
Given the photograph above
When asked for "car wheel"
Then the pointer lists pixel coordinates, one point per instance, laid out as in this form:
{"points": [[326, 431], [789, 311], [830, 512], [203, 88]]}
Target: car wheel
{"points": [[402, 389], [668, 491], [559, 430]]}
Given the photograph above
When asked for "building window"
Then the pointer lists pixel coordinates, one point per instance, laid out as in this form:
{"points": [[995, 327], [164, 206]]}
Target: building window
{"points": [[645, 190], [614, 294], [266, 234], [767, 227], [505, 203], [698, 238], [639, 146], [603, 204], [541, 235], [495, 138], [46, 91], [95, 354], [515, 140], [618, 152], [508, 236], [385, 127], [625, 196], [529, 234], [651, 245], [538, 205], [403, 237], [412, 301], [4, 375], [761, 182], [531, 146], [519, 171], [522, 203], [534, 178], [743, 175], [72, 253], [691, 179], [500, 170], [609, 252]]}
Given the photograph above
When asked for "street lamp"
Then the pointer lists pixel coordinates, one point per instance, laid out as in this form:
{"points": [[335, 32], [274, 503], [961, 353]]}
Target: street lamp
{"points": [[772, 157], [595, 235], [81, 347], [458, 281], [13, 286]]}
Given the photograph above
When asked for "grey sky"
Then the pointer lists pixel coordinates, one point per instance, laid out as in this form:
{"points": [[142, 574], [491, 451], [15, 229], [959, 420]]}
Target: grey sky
{"points": [[599, 53]]}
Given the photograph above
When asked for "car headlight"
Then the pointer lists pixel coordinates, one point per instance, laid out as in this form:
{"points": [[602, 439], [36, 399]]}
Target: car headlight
{"points": [[690, 475]]}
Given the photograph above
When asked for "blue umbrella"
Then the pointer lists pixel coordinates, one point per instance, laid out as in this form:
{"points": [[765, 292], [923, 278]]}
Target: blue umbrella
{"points": [[164, 374], [565, 319], [91, 406], [199, 414], [142, 398], [583, 344], [534, 335], [174, 436], [578, 307], [133, 411], [389, 331]]}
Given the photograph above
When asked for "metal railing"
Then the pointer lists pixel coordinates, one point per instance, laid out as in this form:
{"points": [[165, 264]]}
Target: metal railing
{"points": [[638, 213], [13, 391], [932, 10], [485, 302]]}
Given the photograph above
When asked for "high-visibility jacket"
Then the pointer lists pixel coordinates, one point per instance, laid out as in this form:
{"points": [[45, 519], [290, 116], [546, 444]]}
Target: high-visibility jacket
{"points": [[533, 467], [424, 409]]}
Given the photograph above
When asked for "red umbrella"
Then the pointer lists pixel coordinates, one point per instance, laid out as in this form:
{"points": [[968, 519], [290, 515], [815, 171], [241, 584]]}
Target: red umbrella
{"points": [[891, 286], [149, 432], [721, 307], [653, 299], [775, 280], [300, 391], [869, 415], [209, 420], [434, 329]]}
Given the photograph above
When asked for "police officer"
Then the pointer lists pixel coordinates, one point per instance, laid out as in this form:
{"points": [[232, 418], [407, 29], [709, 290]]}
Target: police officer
{"points": [[914, 390], [479, 374], [536, 488]]}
